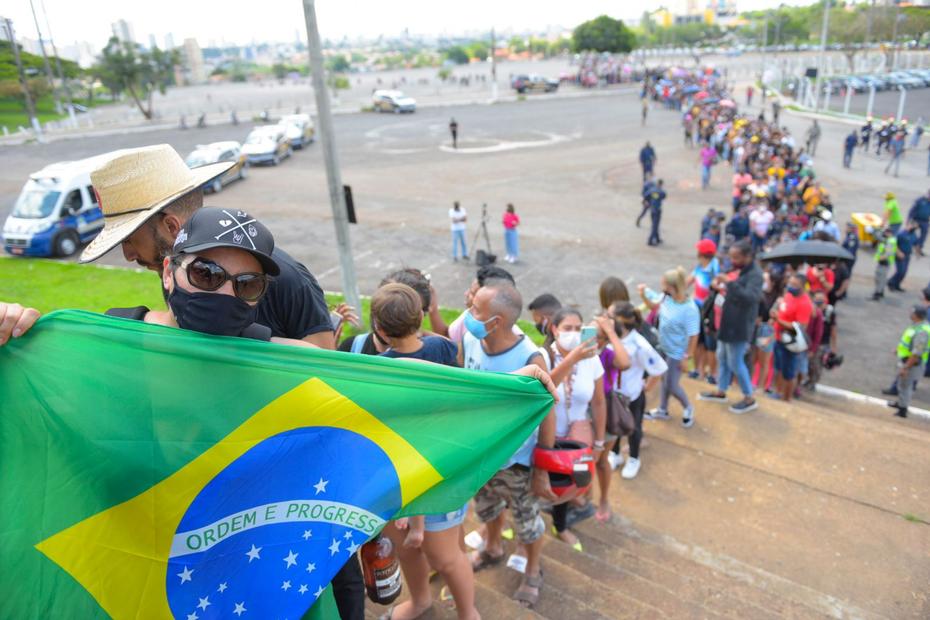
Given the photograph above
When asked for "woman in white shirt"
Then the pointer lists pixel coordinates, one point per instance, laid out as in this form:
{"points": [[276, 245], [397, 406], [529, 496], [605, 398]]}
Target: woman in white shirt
{"points": [[576, 371], [645, 361]]}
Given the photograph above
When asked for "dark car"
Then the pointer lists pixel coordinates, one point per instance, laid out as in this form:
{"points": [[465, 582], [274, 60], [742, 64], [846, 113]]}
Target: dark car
{"points": [[523, 83]]}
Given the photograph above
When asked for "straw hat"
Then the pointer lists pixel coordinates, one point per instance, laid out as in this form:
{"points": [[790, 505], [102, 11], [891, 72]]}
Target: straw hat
{"points": [[135, 185]]}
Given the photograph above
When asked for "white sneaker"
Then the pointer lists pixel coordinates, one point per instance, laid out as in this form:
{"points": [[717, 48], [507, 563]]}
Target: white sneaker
{"points": [[615, 460], [658, 414], [630, 469], [687, 417]]}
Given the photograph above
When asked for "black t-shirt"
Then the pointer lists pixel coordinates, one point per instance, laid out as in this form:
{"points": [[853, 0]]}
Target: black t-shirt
{"points": [[294, 305], [435, 349], [367, 349]]}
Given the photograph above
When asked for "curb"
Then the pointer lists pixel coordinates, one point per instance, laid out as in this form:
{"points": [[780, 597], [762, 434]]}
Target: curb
{"points": [[827, 390]]}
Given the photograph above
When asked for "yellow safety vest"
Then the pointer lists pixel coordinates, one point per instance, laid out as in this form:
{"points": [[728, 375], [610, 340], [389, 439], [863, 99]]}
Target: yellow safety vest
{"points": [[887, 250], [904, 347]]}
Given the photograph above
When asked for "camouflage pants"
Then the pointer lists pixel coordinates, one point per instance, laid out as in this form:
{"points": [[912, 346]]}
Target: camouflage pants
{"points": [[511, 487]]}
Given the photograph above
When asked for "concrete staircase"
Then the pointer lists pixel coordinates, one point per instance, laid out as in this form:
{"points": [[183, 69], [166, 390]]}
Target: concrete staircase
{"points": [[813, 509]]}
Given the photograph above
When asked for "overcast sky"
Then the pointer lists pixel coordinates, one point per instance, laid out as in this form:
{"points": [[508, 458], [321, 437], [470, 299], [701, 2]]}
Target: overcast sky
{"points": [[280, 20]]}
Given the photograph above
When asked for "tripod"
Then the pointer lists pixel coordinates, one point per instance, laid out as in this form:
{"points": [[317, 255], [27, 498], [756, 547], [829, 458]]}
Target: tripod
{"points": [[483, 230]]}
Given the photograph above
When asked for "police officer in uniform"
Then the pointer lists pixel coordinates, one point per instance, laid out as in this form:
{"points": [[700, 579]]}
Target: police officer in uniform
{"points": [[912, 356], [654, 197], [885, 253]]}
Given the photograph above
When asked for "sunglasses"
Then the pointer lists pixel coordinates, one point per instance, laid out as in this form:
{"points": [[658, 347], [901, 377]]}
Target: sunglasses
{"points": [[208, 276]]}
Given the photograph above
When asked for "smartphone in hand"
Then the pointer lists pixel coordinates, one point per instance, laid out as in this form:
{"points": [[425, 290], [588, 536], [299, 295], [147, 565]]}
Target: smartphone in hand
{"points": [[588, 333]]}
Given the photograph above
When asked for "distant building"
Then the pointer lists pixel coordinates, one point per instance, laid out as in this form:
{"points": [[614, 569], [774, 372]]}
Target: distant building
{"points": [[169, 41], [5, 29], [153, 43], [196, 70], [81, 52], [123, 31]]}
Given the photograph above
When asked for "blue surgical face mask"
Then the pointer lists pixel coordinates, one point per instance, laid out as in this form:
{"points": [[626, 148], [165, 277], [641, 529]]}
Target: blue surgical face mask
{"points": [[794, 290], [476, 328]]}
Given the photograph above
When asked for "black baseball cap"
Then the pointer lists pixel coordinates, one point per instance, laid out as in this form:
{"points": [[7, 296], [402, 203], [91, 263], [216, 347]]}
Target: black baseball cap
{"points": [[919, 311], [213, 227]]}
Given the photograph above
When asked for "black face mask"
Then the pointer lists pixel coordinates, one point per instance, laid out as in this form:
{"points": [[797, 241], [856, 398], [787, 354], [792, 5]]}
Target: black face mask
{"points": [[210, 313], [541, 326]]}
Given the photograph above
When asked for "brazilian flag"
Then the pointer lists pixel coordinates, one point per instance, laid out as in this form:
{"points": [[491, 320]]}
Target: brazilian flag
{"points": [[150, 472]]}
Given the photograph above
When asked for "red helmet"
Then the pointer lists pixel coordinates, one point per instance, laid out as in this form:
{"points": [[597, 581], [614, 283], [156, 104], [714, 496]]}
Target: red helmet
{"points": [[570, 465]]}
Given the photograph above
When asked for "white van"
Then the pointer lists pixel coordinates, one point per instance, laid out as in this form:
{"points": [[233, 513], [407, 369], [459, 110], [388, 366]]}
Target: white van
{"points": [[56, 212]]}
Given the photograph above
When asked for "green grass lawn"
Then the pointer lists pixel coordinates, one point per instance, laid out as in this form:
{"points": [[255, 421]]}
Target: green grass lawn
{"points": [[13, 114], [52, 285]]}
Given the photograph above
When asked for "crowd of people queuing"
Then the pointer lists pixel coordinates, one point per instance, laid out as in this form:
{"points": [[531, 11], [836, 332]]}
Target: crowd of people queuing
{"points": [[776, 199]]}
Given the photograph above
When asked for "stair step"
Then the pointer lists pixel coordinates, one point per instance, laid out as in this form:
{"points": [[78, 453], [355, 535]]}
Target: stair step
{"points": [[689, 579], [490, 603], [652, 598]]}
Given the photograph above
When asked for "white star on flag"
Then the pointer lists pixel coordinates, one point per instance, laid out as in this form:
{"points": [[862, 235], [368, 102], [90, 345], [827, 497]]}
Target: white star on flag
{"points": [[286, 586], [240, 608], [193, 616], [318, 592], [185, 574], [253, 553], [204, 603], [347, 535], [321, 486], [353, 548], [222, 588], [311, 567], [307, 534], [303, 588], [291, 558], [334, 548]]}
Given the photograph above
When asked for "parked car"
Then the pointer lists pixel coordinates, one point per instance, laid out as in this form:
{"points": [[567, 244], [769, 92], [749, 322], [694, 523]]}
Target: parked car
{"points": [[921, 74], [902, 79], [523, 83], [874, 80], [857, 84], [217, 152], [299, 129], [267, 144], [56, 211], [393, 101]]}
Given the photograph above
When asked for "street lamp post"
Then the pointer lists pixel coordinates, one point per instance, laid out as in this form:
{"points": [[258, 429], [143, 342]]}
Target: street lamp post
{"points": [[328, 142], [823, 52]]}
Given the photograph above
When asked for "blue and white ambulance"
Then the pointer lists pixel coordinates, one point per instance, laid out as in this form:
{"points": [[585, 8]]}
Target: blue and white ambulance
{"points": [[56, 211]]}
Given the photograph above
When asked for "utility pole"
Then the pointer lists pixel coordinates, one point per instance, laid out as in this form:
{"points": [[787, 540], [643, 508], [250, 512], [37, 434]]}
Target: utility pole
{"points": [[823, 52], [328, 142], [48, 67], [493, 67], [61, 73], [30, 107], [894, 37], [765, 44]]}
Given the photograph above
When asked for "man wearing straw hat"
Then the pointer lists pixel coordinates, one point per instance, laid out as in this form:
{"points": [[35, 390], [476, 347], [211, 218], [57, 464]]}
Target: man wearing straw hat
{"points": [[148, 194]]}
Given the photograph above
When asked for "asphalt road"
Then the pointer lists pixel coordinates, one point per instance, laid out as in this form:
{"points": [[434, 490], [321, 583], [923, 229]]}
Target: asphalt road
{"points": [[569, 166]]}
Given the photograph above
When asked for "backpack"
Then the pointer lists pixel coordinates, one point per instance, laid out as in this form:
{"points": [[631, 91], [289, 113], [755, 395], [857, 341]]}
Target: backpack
{"points": [[358, 342], [651, 335]]}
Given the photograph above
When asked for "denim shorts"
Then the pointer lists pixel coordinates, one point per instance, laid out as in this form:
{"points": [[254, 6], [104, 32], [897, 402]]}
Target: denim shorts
{"points": [[765, 331], [444, 521], [786, 362]]}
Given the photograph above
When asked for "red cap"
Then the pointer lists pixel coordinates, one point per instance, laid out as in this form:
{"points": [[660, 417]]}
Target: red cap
{"points": [[706, 247]]}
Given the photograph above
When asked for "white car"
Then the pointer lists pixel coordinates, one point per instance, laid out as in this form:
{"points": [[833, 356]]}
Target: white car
{"points": [[217, 152], [393, 101], [267, 144], [299, 129]]}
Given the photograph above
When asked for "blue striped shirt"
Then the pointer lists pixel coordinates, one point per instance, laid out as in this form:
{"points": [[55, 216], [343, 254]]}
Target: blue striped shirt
{"points": [[677, 323]]}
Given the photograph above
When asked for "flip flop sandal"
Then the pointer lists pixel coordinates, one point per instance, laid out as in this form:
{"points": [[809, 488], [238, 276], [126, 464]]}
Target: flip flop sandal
{"points": [[576, 545], [507, 534], [486, 560], [445, 596], [529, 600]]}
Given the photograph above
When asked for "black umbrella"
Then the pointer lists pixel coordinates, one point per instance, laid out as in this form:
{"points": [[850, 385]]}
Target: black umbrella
{"points": [[812, 252]]}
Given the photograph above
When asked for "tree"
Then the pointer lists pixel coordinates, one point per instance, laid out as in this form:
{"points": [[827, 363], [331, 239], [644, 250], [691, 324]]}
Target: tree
{"points": [[559, 46], [338, 63], [516, 45], [603, 34], [131, 69], [279, 70], [479, 50], [457, 54], [848, 28]]}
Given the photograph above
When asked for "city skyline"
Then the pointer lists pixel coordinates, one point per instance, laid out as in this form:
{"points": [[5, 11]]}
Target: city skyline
{"points": [[283, 20]]}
